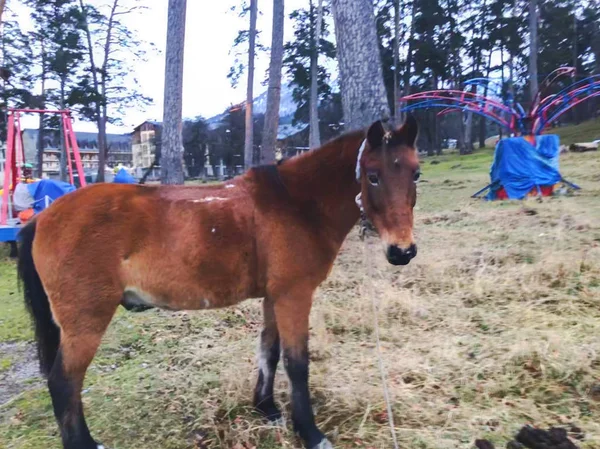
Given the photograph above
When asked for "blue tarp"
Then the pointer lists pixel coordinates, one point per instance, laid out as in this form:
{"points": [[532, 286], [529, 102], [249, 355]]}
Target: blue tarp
{"points": [[520, 166], [123, 177], [47, 187]]}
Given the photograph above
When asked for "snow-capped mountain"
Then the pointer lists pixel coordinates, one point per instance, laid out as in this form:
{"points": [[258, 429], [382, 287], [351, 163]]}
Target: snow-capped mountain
{"points": [[287, 108]]}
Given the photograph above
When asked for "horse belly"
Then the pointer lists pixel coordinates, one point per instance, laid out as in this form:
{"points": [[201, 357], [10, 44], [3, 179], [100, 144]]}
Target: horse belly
{"points": [[180, 284]]}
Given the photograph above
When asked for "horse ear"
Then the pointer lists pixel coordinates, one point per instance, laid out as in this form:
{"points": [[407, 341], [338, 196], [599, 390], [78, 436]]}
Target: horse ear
{"points": [[375, 135], [409, 130]]}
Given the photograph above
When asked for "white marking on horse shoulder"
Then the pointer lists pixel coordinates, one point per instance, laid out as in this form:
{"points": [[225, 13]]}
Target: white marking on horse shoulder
{"points": [[213, 230], [229, 186], [209, 199]]}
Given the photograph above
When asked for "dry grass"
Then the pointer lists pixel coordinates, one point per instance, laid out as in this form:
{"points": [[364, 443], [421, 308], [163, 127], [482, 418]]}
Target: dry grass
{"points": [[496, 324]]}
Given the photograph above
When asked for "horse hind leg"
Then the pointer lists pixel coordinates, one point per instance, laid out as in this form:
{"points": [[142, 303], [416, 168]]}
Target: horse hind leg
{"points": [[268, 358], [79, 341]]}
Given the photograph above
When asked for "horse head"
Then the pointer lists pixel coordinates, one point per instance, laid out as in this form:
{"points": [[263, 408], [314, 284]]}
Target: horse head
{"points": [[388, 170]]}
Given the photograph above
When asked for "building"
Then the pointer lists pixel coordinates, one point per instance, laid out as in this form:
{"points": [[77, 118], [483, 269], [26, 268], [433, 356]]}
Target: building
{"points": [[143, 143], [119, 150]]}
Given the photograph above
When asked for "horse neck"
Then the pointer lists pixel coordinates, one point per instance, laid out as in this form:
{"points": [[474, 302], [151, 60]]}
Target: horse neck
{"points": [[326, 177]]}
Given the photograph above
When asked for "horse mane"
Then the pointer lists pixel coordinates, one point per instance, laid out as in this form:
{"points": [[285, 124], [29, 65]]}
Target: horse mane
{"points": [[269, 174], [308, 174], [331, 157]]}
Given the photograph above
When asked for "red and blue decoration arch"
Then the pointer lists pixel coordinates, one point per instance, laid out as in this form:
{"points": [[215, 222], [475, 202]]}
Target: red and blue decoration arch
{"points": [[526, 164]]}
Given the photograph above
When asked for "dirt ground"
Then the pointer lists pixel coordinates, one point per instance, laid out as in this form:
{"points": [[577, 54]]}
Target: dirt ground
{"points": [[495, 325]]}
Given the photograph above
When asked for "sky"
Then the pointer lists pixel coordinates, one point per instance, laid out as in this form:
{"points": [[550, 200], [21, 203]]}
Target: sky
{"points": [[210, 30]]}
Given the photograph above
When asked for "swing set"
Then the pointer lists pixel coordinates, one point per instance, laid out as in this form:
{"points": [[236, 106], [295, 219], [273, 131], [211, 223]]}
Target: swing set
{"points": [[14, 165]]}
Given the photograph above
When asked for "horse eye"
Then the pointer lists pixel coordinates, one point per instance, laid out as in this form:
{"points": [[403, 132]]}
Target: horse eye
{"points": [[417, 175], [373, 179]]}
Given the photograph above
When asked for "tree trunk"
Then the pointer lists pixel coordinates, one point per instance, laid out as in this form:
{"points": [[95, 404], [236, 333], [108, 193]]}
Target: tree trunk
{"points": [[102, 144], [172, 146], [502, 80], [511, 78], [249, 137], [40, 152], [63, 172], [511, 64], [2, 4], [364, 97], [409, 54], [462, 147], [482, 120], [40, 149], [596, 50], [596, 40], [103, 111], [469, 132], [533, 49], [97, 106], [314, 138], [575, 110], [397, 61], [269, 137]]}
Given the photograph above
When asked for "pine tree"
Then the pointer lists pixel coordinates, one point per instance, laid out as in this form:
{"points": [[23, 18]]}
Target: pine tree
{"points": [[195, 139], [58, 24], [104, 92], [298, 55], [16, 75]]}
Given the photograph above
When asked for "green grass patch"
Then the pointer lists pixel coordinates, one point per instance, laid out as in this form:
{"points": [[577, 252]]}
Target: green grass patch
{"points": [[14, 320], [587, 131]]}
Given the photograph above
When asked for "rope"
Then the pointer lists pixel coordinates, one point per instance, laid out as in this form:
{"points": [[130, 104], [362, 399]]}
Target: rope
{"points": [[386, 393]]}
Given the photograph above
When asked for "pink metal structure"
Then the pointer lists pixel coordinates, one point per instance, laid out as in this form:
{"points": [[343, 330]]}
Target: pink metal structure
{"points": [[15, 153], [543, 111]]}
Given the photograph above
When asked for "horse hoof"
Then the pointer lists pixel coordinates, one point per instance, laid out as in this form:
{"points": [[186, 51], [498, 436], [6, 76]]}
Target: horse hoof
{"points": [[324, 444], [278, 422]]}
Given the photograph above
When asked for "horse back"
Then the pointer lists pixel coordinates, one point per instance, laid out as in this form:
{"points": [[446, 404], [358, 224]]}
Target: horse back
{"points": [[178, 248]]}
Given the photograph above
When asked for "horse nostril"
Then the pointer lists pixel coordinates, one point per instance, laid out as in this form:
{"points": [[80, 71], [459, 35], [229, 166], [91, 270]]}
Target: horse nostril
{"points": [[413, 250], [401, 256]]}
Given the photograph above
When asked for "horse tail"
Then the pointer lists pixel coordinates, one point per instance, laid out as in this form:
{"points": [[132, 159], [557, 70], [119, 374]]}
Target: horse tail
{"points": [[47, 333]]}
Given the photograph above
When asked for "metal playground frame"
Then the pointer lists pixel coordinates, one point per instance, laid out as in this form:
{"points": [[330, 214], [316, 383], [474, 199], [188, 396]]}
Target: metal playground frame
{"points": [[15, 158]]}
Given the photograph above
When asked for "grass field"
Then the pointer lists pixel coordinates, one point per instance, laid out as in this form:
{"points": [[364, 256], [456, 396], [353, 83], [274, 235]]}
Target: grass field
{"points": [[494, 325], [587, 131]]}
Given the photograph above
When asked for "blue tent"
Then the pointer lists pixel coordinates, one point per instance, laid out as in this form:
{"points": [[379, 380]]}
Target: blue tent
{"points": [[123, 177], [520, 167], [47, 188]]}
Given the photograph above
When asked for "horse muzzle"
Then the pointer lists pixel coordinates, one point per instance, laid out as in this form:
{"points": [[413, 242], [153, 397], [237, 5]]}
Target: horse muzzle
{"points": [[400, 256]]}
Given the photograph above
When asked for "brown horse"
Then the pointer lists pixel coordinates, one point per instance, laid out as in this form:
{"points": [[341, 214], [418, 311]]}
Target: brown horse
{"points": [[272, 233]]}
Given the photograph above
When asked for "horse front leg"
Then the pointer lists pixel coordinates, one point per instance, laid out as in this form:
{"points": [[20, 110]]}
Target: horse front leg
{"points": [[268, 357], [292, 311]]}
